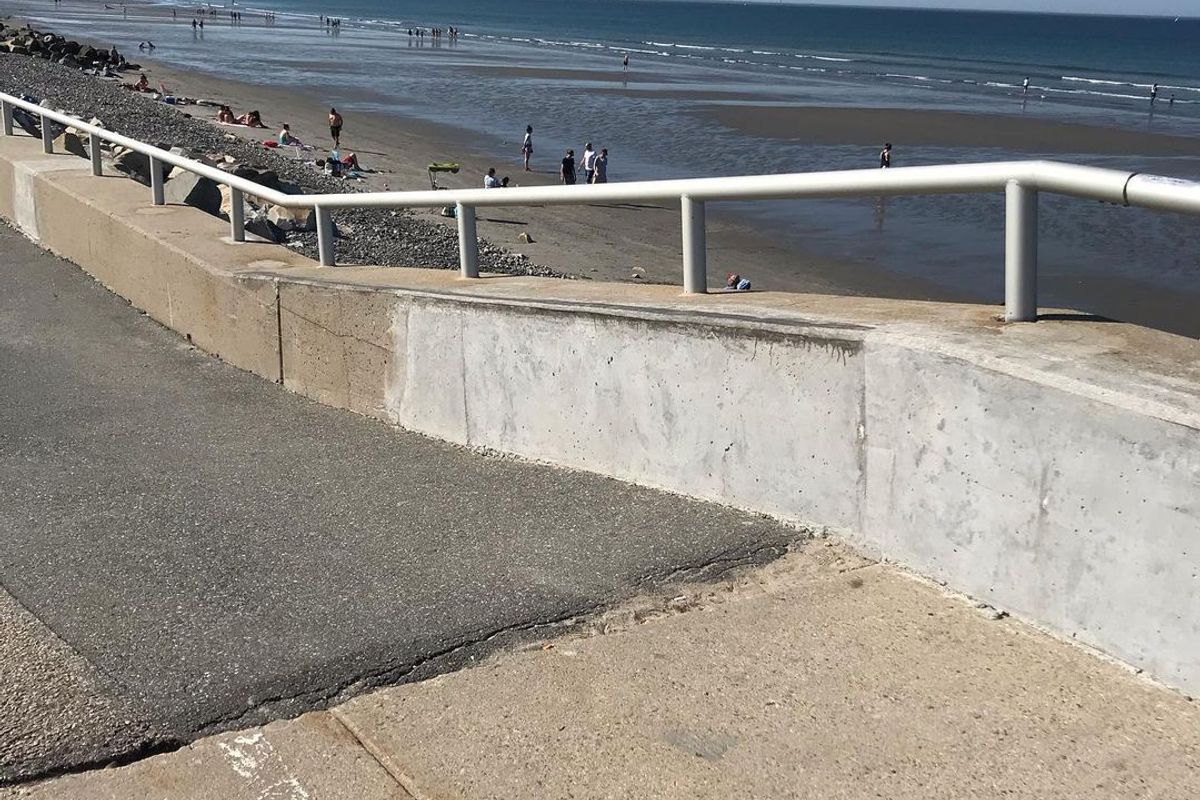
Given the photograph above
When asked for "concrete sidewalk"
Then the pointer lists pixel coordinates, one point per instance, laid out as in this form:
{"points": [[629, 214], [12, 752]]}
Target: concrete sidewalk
{"points": [[820, 675]]}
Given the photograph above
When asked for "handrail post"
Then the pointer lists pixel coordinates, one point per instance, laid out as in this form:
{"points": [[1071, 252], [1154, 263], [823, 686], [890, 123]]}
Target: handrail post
{"points": [[95, 153], [156, 181], [325, 236], [695, 257], [468, 242], [1020, 252], [237, 215], [47, 138], [6, 111]]}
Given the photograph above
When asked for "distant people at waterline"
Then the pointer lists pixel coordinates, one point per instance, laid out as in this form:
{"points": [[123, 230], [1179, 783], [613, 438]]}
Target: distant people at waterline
{"points": [[885, 156], [1025, 86], [625, 62], [1153, 93], [567, 172]]}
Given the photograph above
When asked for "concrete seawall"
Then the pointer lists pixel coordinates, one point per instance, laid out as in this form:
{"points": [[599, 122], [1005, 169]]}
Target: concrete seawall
{"points": [[1052, 470]]}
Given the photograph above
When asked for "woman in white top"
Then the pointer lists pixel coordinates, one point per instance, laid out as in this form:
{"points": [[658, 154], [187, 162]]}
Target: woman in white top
{"points": [[527, 146]]}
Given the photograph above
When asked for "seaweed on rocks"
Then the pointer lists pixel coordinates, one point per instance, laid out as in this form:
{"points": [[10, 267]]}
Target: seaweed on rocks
{"points": [[373, 236]]}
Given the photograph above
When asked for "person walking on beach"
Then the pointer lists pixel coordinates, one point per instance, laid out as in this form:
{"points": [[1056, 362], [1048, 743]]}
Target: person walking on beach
{"points": [[1025, 86], [1153, 93], [625, 62], [335, 127], [885, 156], [600, 167], [527, 146], [589, 158], [567, 173]]}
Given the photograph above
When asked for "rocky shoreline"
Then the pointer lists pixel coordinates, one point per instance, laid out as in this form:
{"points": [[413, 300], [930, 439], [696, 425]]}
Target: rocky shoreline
{"points": [[378, 237]]}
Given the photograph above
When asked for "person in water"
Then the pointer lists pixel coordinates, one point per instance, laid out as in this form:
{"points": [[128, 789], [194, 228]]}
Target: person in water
{"points": [[885, 156]]}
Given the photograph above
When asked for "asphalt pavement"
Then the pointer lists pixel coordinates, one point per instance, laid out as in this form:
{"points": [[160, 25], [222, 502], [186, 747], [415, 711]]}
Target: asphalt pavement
{"points": [[199, 550]]}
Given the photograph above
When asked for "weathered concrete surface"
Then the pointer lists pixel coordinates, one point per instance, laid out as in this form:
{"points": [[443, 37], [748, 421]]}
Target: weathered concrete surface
{"points": [[801, 681], [993, 471], [224, 553], [820, 675], [308, 758]]}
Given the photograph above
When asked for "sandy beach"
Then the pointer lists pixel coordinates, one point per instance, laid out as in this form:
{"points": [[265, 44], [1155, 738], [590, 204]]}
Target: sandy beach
{"points": [[602, 241], [778, 249]]}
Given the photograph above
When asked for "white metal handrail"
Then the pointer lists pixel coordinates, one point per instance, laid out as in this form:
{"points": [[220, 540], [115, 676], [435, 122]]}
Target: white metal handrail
{"points": [[1021, 181]]}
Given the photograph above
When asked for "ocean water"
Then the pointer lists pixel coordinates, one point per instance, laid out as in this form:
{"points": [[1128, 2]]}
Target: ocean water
{"points": [[688, 57]]}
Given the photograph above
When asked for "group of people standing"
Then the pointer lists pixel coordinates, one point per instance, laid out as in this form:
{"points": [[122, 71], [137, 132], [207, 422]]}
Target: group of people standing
{"points": [[594, 164]]}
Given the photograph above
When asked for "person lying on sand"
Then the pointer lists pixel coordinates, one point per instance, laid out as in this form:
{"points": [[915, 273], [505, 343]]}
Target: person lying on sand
{"points": [[143, 84], [251, 120], [225, 116]]}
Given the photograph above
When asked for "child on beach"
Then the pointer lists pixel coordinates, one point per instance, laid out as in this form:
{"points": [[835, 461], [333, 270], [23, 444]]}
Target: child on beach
{"points": [[527, 146], [335, 127], [490, 181]]}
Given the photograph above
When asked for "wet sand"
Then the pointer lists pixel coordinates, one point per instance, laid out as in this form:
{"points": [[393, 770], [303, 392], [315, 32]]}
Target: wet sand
{"points": [[599, 76], [614, 242], [873, 126]]}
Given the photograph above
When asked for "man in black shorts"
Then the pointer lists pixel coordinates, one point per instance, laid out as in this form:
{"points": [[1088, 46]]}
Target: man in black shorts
{"points": [[335, 127]]}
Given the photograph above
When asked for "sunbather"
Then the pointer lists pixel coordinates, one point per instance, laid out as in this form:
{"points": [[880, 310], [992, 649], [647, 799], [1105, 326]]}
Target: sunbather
{"points": [[251, 120], [143, 84], [225, 116]]}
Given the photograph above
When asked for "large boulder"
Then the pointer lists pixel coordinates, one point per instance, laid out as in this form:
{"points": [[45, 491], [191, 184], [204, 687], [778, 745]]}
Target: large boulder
{"points": [[193, 190], [263, 177], [292, 219], [136, 165], [68, 142], [259, 225]]}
